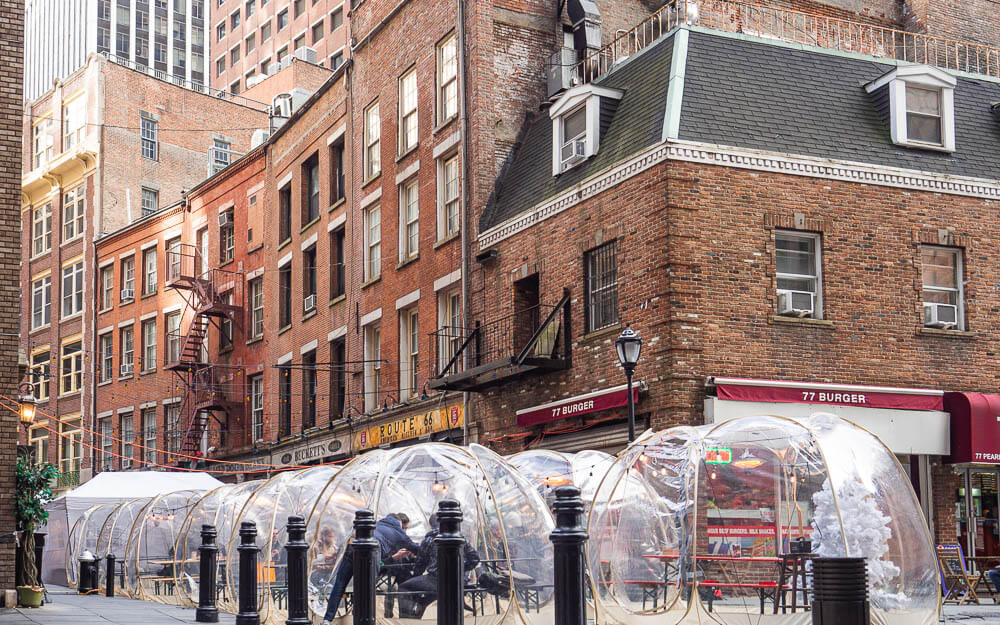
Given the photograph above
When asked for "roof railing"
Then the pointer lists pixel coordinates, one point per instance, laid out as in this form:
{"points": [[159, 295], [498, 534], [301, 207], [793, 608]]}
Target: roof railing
{"points": [[795, 27]]}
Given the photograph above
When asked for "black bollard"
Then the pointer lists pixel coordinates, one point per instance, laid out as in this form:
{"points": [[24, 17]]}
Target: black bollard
{"points": [[365, 552], [109, 575], [248, 575], [296, 548], [840, 592], [451, 562], [86, 583], [208, 554], [568, 543]]}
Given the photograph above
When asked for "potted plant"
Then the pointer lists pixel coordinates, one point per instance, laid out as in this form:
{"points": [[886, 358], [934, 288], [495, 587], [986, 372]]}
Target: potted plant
{"points": [[33, 490]]}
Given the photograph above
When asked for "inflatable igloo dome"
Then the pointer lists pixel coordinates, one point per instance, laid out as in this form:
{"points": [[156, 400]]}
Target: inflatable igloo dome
{"points": [[693, 519], [546, 470]]}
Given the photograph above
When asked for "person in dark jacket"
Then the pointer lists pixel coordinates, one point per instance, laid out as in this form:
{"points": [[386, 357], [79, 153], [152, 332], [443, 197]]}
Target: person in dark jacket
{"points": [[425, 571], [394, 546]]}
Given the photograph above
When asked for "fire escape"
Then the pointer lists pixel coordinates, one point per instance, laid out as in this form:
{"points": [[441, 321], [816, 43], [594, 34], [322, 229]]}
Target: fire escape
{"points": [[214, 297]]}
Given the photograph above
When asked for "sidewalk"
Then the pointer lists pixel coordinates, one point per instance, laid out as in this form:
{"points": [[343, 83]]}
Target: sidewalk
{"points": [[985, 614], [65, 607]]}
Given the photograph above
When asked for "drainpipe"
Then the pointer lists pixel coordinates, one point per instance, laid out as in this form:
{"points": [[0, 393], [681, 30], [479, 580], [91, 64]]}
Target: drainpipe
{"points": [[465, 220]]}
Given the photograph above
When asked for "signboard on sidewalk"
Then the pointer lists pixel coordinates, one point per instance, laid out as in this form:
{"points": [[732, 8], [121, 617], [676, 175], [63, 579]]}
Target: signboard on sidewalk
{"points": [[413, 426]]}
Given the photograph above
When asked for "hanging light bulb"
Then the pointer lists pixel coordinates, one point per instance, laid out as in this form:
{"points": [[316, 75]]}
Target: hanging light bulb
{"points": [[748, 460], [437, 486], [712, 475]]}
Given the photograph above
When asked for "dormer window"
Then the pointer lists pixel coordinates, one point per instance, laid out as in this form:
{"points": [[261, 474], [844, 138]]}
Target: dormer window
{"points": [[918, 101], [577, 118]]}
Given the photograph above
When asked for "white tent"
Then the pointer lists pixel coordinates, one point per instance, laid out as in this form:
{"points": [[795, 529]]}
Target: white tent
{"points": [[107, 487]]}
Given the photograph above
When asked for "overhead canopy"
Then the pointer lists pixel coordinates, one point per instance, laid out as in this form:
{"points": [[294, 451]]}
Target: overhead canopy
{"points": [[975, 427]]}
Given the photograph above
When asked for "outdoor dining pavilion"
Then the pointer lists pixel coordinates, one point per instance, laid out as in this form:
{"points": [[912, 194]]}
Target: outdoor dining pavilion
{"points": [[717, 524]]}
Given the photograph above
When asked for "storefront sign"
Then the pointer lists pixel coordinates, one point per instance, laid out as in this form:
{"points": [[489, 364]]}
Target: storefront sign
{"points": [[414, 426], [735, 389], [614, 397], [257, 464], [741, 530], [311, 450], [718, 455], [742, 540]]}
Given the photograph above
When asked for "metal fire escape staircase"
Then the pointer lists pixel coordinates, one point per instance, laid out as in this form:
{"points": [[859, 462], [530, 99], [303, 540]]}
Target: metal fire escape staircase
{"points": [[213, 296]]}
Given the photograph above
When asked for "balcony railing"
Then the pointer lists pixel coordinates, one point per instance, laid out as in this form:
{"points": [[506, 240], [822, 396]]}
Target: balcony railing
{"points": [[795, 27], [531, 339]]}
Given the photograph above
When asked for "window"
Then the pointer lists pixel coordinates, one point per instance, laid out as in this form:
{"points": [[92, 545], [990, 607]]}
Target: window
{"points": [[336, 60], [601, 292], [284, 402], [921, 106], [409, 354], [149, 271], [128, 279], [122, 44], [409, 215], [173, 329], [285, 213], [103, 40], [282, 19], [71, 378], [107, 287], [373, 160], [41, 302], [196, 9], [149, 345], [127, 440], [74, 121], [797, 263], [408, 112], [234, 57], [227, 239], [250, 43], [336, 19], [257, 407], [106, 443], [173, 422], [234, 88], [449, 192], [337, 172], [310, 199], [106, 352], [150, 201], [300, 7], [337, 269], [574, 130], [299, 42], [373, 367], [256, 308], [72, 289], [221, 155], [38, 440], [285, 288], [41, 231], [309, 280], [226, 326], [40, 367], [450, 329], [220, 65], [309, 390], [282, 53], [149, 434], [220, 30], [70, 449], [923, 114], [150, 145], [160, 52], [250, 7], [941, 268], [317, 32], [43, 141], [373, 242], [265, 66], [173, 248], [234, 20], [447, 79], [126, 342]]}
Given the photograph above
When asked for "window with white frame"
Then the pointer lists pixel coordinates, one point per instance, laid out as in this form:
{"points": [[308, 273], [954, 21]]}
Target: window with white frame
{"points": [[150, 201], [173, 422], [72, 289], [227, 240], [41, 230], [373, 132], [373, 242], [106, 444], [38, 440], [43, 142], [921, 106], [574, 135], [226, 325], [941, 269], [373, 367], [107, 287], [923, 114], [74, 120], [40, 367], [257, 407], [408, 111], [256, 308], [221, 155], [449, 194], [172, 321], [128, 279], [450, 333], [106, 353], [70, 448], [409, 353], [127, 440], [409, 217], [173, 259], [150, 139], [576, 124], [149, 273], [447, 79], [798, 265], [71, 374], [601, 286], [126, 342], [149, 434], [149, 345], [73, 209], [41, 302]]}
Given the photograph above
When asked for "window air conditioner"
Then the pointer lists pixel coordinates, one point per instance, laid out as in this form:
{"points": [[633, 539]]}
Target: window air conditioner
{"points": [[796, 303], [574, 153], [944, 316], [225, 218], [309, 303], [126, 369], [128, 294]]}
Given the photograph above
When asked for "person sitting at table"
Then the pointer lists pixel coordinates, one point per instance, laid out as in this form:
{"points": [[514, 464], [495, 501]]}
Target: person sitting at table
{"points": [[994, 574], [394, 546], [425, 571]]}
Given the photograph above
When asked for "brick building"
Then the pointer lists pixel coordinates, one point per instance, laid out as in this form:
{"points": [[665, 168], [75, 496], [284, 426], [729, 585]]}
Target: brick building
{"points": [[103, 148], [790, 228], [251, 38]]}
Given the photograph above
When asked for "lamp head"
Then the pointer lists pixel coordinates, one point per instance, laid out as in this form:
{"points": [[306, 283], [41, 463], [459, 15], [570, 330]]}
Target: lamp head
{"points": [[629, 345], [28, 403]]}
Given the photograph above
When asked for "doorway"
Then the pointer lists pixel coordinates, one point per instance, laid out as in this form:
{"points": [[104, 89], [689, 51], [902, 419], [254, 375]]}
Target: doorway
{"points": [[977, 503]]}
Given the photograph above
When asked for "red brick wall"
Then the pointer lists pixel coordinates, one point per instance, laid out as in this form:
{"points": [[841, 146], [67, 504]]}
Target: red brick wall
{"points": [[965, 20]]}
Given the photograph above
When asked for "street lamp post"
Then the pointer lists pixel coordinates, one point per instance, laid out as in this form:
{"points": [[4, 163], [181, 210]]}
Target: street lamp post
{"points": [[629, 345]]}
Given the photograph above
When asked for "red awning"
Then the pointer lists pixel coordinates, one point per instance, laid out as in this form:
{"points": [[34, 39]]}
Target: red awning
{"points": [[784, 391], [975, 427]]}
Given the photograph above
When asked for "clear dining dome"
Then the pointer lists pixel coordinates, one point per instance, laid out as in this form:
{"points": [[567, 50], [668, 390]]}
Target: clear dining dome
{"points": [[504, 520], [693, 519], [546, 470]]}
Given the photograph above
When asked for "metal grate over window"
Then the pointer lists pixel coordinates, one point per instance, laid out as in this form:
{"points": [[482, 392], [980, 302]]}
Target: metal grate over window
{"points": [[601, 284]]}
